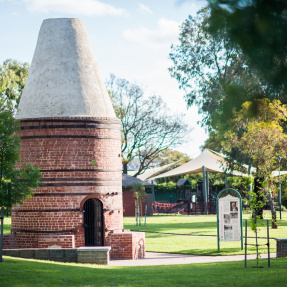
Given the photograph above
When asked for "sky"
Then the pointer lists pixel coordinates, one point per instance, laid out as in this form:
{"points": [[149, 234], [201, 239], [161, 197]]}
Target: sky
{"points": [[131, 39]]}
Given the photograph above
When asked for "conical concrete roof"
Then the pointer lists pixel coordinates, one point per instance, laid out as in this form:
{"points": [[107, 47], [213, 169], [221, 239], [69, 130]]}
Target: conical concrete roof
{"points": [[64, 79]]}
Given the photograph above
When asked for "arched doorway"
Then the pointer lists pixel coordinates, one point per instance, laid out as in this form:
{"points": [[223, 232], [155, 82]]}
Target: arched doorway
{"points": [[93, 222]]}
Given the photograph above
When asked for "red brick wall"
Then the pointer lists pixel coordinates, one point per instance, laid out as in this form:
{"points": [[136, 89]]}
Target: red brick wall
{"points": [[127, 245], [129, 203], [79, 158], [64, 241], [9, 241]]}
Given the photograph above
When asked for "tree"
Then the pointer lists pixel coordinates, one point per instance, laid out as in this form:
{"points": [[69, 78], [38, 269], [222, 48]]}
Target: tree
{"points": [[139, 194], [148, 127], [215, 74], [17, 180], [213, 142], [257, 138], [13, 75], [213, 71], [168, 156], [259, 28]]}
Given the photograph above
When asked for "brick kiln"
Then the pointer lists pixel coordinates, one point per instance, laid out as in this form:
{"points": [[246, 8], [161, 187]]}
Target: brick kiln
{"points": [[69, 129]]}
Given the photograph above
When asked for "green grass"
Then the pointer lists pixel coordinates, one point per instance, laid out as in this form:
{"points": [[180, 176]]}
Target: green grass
{"points": [[20, 272], [200, 225], [194, 225], [7, 225]]}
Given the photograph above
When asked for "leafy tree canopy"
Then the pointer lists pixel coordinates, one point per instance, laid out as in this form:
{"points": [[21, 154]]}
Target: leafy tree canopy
{"points": [[257, 136], [259, 28], [13, 75], [17, 180], [213, 71]]}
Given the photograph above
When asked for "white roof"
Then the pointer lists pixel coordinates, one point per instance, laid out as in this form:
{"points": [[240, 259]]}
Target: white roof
{"points": [[276, 173], [152, 172], [64, 78], [213, 163]]}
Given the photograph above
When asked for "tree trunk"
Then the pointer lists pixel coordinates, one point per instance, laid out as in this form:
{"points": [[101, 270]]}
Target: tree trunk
{"points": [[258, 190], [125, 168], [1, 236], [273, 212]]}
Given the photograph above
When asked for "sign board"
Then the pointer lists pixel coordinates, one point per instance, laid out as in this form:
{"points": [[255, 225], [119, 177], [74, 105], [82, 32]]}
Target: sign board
{"points": [[229, 218]]}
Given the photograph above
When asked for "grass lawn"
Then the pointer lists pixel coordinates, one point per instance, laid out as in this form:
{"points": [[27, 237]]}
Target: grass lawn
{"points": [[205, 229], [202, 226], [23, 272], [7, 225]]}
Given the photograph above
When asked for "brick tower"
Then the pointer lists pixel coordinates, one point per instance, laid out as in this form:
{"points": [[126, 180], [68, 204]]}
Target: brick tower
{"points": [[69, 129]]}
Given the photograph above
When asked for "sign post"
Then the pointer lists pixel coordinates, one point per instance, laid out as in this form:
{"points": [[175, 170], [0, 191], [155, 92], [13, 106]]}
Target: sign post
{"points": [[229, 217]]}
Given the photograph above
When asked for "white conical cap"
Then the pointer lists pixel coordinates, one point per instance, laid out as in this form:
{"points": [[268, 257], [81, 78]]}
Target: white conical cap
{"points": [[64, 79]]}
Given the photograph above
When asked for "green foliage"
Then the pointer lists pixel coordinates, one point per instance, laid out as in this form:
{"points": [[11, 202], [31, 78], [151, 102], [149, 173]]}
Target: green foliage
{"points": [[13, 77], [241, 184], [257, 136], [213, 142], [138, 190], [165, 187], [212, 71], [15, 183], [259, 28], [284, 200]]}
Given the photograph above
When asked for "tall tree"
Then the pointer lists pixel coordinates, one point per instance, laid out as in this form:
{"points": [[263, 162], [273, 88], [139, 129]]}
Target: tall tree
{"points": [[13, 75], [148, 127], [259, 28], [215, 74], [257, 138], [17, 180]]}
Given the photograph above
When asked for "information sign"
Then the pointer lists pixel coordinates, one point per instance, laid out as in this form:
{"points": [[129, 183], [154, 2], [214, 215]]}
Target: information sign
{"points": [[229, 218]]}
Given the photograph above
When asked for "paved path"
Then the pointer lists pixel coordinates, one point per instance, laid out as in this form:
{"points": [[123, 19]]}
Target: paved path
{"points": [[171, 259]]}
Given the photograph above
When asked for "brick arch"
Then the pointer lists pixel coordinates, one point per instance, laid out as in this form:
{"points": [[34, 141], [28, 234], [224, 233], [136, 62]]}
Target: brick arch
{"points": [[96, 196]]}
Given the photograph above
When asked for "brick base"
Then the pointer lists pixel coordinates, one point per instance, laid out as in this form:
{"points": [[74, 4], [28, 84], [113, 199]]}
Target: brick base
{"points": [[56, 241], [9, 241], [127, 245]]}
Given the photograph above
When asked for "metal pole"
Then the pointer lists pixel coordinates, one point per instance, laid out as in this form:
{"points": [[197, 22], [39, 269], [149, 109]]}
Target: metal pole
{"points": [[268, 244], [207, 191], [145, 215], [241, 222], [279, 197], [256, 240], [245, 258], [1, 239], [204, 189], [137, 214], [152, 191], [217, 209]]}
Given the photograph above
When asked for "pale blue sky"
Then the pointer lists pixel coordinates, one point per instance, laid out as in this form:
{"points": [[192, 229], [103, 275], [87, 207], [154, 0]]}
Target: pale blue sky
{"points": [[131, 39]]}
